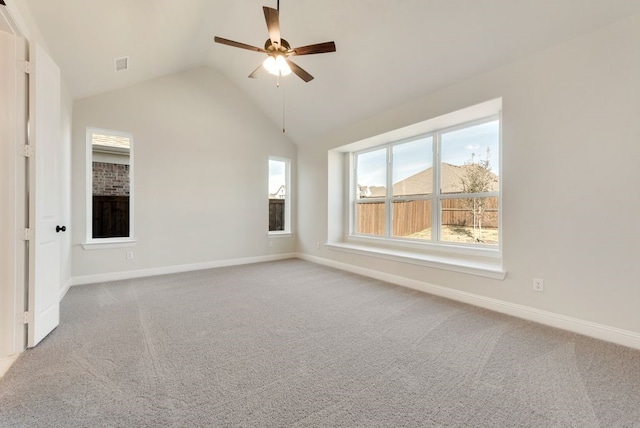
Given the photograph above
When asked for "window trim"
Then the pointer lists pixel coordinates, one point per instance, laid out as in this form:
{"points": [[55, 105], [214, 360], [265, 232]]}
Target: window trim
{"points": [[90, 242], [288, 230]]}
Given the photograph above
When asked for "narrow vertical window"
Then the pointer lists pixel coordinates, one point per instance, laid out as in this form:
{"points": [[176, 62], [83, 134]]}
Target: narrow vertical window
{"points": [[469, 183], [110, 185], [279, 195], [371, 183], [412, 169]]}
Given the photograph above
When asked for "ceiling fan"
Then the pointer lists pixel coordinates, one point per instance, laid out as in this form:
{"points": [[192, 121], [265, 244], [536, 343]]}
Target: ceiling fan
{"points": [[278, 50]]}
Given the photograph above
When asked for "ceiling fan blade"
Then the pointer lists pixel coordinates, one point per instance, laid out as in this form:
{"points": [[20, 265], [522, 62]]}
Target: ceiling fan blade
{"points": [[237, 44], [273, 24], [299, 71], [257, 72], [319, 48]]}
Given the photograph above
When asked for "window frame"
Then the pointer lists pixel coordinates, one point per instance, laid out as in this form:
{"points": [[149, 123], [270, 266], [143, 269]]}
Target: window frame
{"points": [[436, 197], [287, 198], [90, 241]]}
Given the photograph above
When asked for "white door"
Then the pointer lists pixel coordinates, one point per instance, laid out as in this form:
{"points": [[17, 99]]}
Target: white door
{"points": [[45, 244]]}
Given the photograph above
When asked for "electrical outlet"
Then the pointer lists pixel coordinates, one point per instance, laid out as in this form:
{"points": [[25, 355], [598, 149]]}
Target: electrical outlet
{"points": [[270, 244], [538, 285], [317, 245], [129, 255]]}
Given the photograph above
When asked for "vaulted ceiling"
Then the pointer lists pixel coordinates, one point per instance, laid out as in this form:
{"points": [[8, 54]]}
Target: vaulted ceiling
{"points": [[388, 51]]}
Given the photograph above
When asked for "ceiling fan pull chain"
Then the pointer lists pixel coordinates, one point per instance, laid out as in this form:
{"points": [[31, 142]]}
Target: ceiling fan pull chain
{"points": [[283, 110]]}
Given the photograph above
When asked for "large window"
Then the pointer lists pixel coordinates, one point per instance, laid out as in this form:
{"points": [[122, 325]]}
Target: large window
{"points": [[279, 199], [442, 187], [109, 185]]}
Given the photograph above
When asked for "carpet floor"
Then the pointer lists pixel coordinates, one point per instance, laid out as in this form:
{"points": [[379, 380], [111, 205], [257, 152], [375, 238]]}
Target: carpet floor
{"points": [[296, 344]]}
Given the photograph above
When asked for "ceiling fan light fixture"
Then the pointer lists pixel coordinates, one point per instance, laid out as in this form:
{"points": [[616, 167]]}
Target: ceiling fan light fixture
{"points": [[282, 65], [277, 65], [269, 64]]}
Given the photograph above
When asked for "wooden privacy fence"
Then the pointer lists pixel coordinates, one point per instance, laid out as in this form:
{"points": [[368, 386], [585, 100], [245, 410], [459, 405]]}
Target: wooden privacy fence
{"points": [[276, 214], [410, 217], [370, 218], [110, 216]]}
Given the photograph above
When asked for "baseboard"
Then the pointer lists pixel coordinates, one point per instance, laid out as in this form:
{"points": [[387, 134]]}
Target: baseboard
{"points": [[5, 364], [140, 273], [576, 325]]}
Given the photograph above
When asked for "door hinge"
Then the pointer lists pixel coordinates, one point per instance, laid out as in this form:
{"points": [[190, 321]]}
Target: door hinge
{"points": [[28, 151], [27, 234], [28, 317], [25, 67]]}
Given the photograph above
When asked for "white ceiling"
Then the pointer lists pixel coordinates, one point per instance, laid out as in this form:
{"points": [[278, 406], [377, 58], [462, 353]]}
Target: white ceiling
{"points": [[388, 51]]}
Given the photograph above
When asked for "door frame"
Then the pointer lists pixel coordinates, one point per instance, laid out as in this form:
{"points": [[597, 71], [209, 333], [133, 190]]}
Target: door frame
{"points": [[14, 280]]}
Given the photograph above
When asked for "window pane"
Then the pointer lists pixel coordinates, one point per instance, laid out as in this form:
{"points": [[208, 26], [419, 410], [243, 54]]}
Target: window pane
{"points": [[110, 183], [370, 218], [470, 220], [470, 159], [277, 194], [413, 168], [412, 219], [371, 177]]}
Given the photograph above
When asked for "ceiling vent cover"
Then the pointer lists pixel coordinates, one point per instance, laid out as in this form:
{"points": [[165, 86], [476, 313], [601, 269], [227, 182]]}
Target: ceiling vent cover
{"points": [[122, 63]]}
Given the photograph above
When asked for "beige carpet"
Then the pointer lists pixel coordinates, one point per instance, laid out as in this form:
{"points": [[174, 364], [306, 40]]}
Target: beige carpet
{"points": [[295, 344]]}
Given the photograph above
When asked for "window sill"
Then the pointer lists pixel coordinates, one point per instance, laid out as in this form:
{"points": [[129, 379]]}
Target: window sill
{"points": [[109, 243], [479, 266], [279, 235]]}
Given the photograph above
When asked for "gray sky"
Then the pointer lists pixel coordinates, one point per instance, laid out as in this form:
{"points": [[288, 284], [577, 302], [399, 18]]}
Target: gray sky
{"points": [[276, 175]]}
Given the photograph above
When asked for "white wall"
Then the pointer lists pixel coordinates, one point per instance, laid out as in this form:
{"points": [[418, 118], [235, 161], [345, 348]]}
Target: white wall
{"points": [[571, 170], [200, 153]]}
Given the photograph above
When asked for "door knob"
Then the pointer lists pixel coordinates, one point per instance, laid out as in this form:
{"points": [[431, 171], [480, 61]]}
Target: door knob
{"points": [[61, 229]]}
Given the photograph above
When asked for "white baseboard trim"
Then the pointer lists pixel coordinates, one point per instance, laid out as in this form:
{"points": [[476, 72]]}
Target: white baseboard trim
{"points": [[5, 364], [576, 325], [116, 276]]}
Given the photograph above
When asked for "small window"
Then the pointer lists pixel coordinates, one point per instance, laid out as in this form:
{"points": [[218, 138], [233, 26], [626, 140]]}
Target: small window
{"points": [[279, 199], [109, 185]]}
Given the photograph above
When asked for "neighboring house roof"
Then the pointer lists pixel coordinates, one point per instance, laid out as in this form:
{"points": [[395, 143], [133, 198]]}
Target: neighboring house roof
{"points": [[279, 194], [422, 183], [372, 191], [119, 141]]}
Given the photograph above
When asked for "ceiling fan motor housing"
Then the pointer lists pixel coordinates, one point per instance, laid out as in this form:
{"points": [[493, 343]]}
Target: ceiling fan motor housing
{"points": [[283, 48]]}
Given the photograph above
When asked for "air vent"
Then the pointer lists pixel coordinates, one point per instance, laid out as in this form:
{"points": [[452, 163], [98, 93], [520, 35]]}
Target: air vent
{"points": [[122, 63]]}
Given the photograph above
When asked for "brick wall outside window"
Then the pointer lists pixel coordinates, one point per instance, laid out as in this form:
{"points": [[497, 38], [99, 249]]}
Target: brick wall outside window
{"points": [[110, 179]]}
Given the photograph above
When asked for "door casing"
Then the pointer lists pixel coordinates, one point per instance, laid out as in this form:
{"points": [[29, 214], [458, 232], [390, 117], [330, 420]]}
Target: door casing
{"points": [[13, 182]]}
